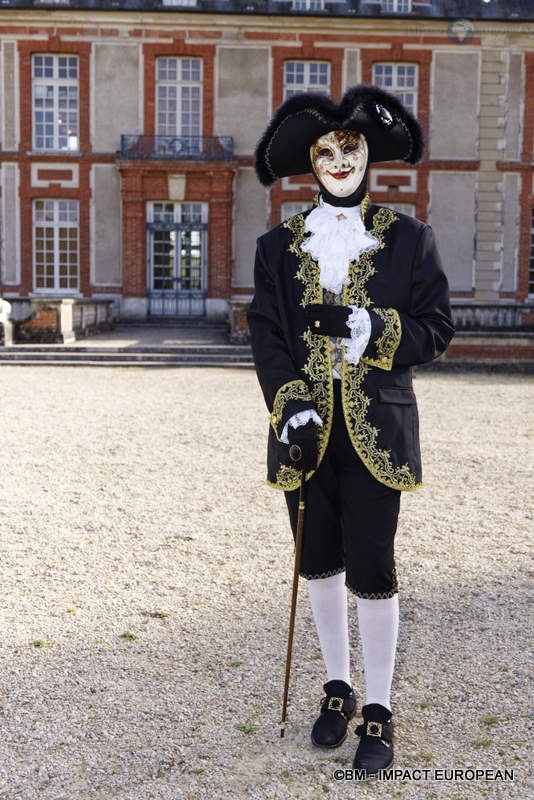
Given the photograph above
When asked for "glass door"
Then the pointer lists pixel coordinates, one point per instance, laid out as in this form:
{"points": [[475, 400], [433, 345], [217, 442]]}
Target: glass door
{"points": [[177, 259]]}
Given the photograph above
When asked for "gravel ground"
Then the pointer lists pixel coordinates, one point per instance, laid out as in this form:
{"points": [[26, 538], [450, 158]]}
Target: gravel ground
{"points": [[142, 551]]}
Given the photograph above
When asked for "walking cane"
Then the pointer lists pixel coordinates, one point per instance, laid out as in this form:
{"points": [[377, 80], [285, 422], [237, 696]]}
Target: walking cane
{"points": [[295, 453]]}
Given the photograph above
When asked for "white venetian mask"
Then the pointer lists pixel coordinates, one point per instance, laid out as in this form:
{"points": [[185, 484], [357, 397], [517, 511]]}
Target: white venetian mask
{"points": [[339, 160]]}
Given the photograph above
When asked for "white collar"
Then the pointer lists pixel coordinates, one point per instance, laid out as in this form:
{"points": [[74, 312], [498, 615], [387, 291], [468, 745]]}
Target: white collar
{"points": [[338, 237]]}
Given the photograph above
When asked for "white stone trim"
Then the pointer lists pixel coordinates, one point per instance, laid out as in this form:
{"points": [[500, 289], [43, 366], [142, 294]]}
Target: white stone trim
{"points": [[11, 237], [217, 309], [376, 186], [71, 166]]}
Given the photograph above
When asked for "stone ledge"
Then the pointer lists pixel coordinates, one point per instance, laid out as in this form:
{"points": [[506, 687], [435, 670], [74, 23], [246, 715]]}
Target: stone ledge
{"points": [[60, 320]]}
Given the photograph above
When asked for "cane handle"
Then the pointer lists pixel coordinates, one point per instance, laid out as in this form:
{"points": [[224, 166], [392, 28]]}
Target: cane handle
{"points": [[295, 453]]}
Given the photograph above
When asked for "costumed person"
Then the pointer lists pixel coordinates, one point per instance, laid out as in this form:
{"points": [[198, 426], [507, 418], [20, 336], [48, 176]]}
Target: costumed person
{"points": [[348, 297]]}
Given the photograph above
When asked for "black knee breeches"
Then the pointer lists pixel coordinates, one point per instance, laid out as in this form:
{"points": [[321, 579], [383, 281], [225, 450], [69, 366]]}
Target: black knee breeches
{"points": [[351, 518]]}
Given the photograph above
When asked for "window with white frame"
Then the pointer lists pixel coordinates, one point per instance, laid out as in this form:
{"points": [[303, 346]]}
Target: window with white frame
{"points": [[55, 102], [399, 79], [291, 209], [306, 76], [308, 5], [55, 245], [179, 96], [397, 6]]}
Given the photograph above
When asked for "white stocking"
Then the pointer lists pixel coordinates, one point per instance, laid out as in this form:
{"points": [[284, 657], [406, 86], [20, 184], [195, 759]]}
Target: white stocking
{"points": [[328, 597], [379, 626]]}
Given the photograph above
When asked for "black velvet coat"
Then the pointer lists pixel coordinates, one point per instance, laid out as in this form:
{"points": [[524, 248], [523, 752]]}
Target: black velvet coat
{"points": [[402, 284]]}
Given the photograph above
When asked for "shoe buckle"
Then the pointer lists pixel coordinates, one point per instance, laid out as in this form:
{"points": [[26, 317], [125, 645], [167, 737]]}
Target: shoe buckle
{"points": [[374, 729], [335, 704]]}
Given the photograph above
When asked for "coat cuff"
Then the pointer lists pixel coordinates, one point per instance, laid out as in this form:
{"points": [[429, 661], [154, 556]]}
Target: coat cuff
{"points": [[290, 399], [386, 334]]}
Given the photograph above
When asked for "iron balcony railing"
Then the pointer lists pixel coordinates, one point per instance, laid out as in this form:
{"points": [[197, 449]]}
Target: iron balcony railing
{"points": [[513, 317], [181, 148]]}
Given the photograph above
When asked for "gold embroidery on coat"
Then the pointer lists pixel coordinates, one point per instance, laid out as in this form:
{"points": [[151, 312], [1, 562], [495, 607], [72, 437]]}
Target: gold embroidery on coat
{"points": [[389, 339], [364, 435], [294, 390], [364, 206], [355, 402], [355, 292], [308, 272], [318, 369], [287, 478]]}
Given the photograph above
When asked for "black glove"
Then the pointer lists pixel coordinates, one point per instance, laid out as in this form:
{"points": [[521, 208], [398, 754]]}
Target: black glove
{"points": [[305, 436], [328, 320]]}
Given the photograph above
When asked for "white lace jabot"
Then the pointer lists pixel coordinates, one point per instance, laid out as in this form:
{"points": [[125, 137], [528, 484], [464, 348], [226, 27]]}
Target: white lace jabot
{"points": [[335, 242]]}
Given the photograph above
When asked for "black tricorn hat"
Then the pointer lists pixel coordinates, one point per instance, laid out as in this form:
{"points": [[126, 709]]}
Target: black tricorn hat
{"points": [[392, 132]]}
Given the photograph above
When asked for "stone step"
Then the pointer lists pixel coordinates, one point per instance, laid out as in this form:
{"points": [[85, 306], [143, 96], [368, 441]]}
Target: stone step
{"points": [[139, 364], [216, 350], [186, 356]]}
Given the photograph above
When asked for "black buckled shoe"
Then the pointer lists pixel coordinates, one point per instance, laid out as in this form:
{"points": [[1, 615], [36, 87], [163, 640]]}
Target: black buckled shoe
{"points": [[375, 751], [337, 708]]}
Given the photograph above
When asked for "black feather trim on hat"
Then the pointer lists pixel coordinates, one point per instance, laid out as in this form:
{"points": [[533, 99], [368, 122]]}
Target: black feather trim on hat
{"points": [[306, 104], [392, 132]]}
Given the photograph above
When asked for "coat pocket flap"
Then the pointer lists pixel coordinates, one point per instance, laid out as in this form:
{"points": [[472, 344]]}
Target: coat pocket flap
{"points": [[396, 394]]}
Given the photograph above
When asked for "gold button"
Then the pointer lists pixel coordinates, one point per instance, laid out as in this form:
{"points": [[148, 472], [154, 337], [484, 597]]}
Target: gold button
{"points": [[317, 323]]}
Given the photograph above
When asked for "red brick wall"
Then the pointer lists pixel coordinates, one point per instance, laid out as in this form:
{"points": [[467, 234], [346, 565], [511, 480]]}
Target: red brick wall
{"points": [[210, 182], [481, 352]]}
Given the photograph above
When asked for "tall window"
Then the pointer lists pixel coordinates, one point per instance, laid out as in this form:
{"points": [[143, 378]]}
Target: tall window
{"points": [[55, 102], [308, 5], [179, 97], [397, 6], [306, 76], [55, 245], [531, 272], [399, 79]]}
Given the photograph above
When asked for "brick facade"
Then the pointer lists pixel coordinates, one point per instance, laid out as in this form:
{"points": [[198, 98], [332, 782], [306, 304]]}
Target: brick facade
{"points": [[209, 183], [239, 210]]}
